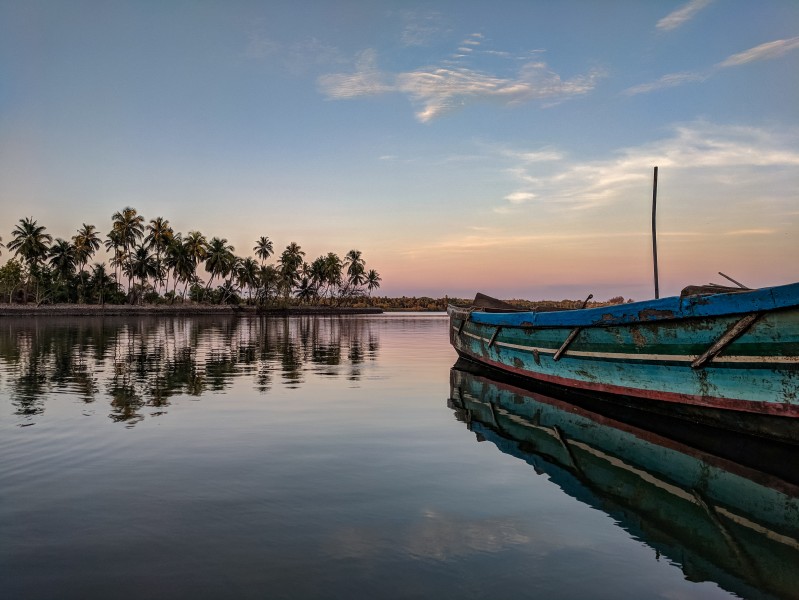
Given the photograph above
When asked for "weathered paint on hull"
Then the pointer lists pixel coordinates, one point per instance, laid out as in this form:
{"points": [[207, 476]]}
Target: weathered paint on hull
{"points": [[756, 373], [718, 519]]}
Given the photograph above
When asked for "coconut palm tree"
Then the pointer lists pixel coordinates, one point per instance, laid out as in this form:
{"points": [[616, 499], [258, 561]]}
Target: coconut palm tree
{"points": [[101, 283], [220, 259], [62, 259], [247, 274], [113, 242], [141, 265], [332, 266], [263, 248], [178, 260], [355, 267], [30, 241], [290, 261], [86, 242], [269, 279], [159, 234], [317, 272], [197, 246], [373, 280], [129, 225], [306, 290]]}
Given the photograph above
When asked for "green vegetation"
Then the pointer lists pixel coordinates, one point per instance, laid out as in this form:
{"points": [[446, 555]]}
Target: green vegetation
{"points": [[424, 303], [153, 264]]}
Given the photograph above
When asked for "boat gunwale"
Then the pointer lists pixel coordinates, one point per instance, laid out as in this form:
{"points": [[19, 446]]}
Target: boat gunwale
{"points": [[674, 308]]}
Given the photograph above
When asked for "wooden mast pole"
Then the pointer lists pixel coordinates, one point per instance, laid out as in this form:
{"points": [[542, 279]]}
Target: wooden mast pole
{"points": [[654, 231]]}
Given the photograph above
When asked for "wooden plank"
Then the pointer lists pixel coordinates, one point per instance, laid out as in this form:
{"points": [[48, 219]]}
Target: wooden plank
{"points": [[732, 334], [574, 333]]}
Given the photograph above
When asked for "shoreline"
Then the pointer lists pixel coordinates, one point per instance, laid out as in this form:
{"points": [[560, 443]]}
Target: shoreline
{"points": [[94, 310]]}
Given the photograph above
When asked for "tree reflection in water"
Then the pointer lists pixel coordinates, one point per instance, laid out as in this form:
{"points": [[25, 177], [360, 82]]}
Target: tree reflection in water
{"points": [[143, 362]]}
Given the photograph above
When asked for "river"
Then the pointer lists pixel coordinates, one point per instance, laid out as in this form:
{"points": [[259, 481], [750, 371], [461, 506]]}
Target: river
{"points": [[343, 457]]}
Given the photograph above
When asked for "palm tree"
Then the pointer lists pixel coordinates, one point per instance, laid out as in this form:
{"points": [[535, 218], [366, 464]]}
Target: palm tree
{"points": [[197, 246], [141, 265], [269, 279], [290, 262], [62, 259], [332, 266], [317, 272], [247, 274], [159, 234], [101, 282], [220, 259], [373, 280], [129, 226], [355, 267], [30, 241], [177, 260], [263, 248], [86, 243], [306, 290], [114, 242]]}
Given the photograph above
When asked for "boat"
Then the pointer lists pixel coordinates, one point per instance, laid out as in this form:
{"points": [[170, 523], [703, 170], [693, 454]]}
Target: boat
{"points": [[721, 507], [721, 355]]}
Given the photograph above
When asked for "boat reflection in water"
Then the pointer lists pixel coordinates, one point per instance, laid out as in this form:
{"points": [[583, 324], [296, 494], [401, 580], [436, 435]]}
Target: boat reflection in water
{"points": [[724, 508]]}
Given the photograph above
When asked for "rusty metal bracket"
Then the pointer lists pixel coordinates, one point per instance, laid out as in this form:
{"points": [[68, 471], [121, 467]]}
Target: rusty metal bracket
{"points": [[732, 334], [574, 333]]}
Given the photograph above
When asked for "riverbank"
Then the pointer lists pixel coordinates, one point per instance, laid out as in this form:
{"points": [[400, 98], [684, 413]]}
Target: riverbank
{"points": [[94, 310]]}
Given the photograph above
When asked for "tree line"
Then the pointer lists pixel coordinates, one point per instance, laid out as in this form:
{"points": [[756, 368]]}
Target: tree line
{"points": [[151, 263]]}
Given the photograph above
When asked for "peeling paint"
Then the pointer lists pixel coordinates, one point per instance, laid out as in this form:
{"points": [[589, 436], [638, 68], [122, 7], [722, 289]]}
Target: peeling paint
{"points": [[638, 338], [651, 314]]}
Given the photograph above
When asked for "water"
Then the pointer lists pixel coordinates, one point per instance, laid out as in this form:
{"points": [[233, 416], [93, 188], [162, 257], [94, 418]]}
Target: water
{"points": [[321, 457]]}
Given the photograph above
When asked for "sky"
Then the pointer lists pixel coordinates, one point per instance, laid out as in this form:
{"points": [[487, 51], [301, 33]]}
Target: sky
{"points": [[498, 146]]}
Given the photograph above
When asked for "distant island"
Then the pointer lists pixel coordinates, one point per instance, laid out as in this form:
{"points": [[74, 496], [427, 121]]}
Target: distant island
{"points": [[154, 266]]}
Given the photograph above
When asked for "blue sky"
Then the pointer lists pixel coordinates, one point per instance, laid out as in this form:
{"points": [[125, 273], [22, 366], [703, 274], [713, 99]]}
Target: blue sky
{"points": [[502, 146]]}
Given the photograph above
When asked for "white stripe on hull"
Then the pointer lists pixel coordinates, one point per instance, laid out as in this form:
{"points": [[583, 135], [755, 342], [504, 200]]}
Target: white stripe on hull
{"points": [[642, 357]]}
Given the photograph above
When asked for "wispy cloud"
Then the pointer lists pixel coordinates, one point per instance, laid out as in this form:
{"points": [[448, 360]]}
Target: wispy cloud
{"points": [[442, 90], [367, 80], [748, 232], [531, 156], [697, 145], [667, 81], [767, 51], [519, 197], [438, 90], [682, 15]]}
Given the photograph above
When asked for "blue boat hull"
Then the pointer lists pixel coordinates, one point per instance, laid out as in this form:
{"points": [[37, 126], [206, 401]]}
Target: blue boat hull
{"points": [[729, 352]]}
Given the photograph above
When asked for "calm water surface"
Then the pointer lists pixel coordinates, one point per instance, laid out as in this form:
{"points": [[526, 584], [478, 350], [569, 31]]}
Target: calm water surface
{"points": [[320, 457]]}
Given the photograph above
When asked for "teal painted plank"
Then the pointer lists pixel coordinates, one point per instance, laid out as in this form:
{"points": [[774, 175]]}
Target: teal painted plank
{"points": [[664, 309]]}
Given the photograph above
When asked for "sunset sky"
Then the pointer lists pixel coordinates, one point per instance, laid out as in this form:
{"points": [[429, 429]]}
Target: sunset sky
{"points": [[496, 146]]}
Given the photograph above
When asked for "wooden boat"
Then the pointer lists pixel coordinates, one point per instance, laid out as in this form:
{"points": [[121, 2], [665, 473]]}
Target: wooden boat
{"points": [[727, 513], [728, 356]]}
